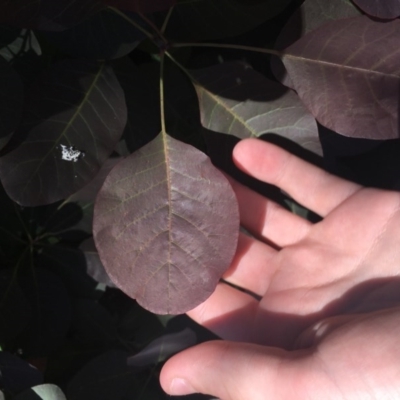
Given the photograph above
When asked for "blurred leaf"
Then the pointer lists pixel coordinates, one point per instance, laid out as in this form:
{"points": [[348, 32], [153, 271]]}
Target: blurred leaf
{"points": [[105, 35], [11, 100], [354, 91], [388, 9], [311, 15], [163, 347], [106, 377], [74, 117], [94, 266], [237, 100], [17, 375], [165, 225], [141, 6], [217, 19], [47, 14], [15, 311], [42, 392], [51, 313]]}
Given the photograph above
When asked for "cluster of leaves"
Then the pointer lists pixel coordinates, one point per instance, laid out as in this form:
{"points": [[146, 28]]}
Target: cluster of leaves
{"points": [[107, 111]]}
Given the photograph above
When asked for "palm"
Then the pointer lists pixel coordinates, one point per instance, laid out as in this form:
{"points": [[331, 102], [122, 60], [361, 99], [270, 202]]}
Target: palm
{"points": [[319, 270]]}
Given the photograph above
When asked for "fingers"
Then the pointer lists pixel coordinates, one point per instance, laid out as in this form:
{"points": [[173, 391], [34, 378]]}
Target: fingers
{"points": [[235, 371], [253, 265], [267, 219], [309, 185], [228, 312]]}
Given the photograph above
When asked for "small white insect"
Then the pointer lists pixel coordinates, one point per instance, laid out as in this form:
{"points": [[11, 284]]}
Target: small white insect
{"points": [[69, 153]]}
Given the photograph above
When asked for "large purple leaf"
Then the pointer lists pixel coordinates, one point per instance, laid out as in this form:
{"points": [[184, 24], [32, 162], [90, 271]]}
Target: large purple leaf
{"points": [[217, 19], [75, 115], [237, 100], [11, 101], [166, 225], [347, 74], [387, 9], [311, 15], [47, 14], [141, 6]]}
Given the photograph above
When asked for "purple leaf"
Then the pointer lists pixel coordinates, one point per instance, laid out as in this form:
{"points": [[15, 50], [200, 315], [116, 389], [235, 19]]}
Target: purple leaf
{"points": [[311, 15], [237, 100], [166, 225], [74, 117], [347, 74], [385, 9]]}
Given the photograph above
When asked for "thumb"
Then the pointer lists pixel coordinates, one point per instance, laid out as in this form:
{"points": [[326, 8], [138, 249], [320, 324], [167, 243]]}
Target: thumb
{"points": [[236, 371]]}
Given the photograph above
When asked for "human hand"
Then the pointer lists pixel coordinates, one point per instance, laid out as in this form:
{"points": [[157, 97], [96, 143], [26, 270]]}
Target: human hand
{"points": [[327, 324]]}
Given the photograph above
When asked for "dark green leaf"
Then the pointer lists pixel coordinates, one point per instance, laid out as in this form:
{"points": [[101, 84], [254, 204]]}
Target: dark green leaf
{"points": [[165, 225], [70, 265], [74, 117], [47, 14], [15, 311], [106, 377], [93, 326], [354, 91], [11, 100], [103, 36], [51, 313], [215, 19], [237, 100], [17, 375], [42, 392]]}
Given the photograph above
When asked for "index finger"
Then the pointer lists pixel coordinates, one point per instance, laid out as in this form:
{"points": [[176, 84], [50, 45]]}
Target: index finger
{"points": [[311, 186]]}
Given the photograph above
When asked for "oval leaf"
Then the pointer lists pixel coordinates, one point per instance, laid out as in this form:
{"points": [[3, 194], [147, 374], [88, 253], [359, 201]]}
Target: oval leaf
{"points": [[311, 15], [11, 100], [166, 225], [237, 100], [346, 73], [103, 36], [74, 117], [141, 6], [387, 9]]}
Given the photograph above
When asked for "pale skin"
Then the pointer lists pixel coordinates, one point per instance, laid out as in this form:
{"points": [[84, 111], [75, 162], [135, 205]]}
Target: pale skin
{"points": [[326, 323]]}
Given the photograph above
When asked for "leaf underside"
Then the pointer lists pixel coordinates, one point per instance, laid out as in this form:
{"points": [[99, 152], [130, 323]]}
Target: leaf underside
{"points": [[166, 226], [234, 99], [77, 107], [354, 91]]}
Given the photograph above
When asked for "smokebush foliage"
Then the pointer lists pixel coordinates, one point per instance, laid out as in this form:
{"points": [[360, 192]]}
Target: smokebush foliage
{"points": [[113, 115]]}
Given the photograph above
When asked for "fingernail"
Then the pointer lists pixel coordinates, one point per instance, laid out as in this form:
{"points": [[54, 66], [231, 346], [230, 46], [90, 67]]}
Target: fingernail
{"points": [[180, 387]]}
